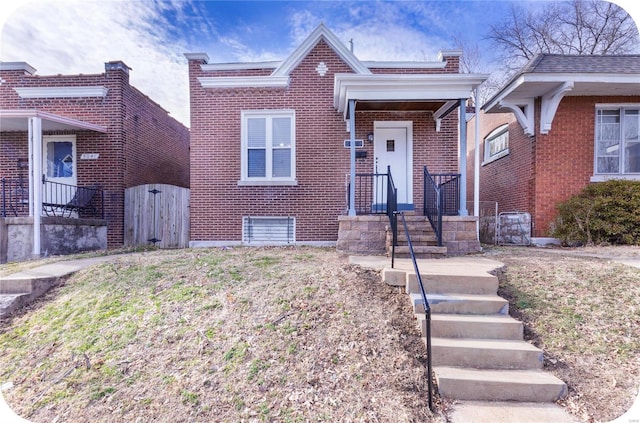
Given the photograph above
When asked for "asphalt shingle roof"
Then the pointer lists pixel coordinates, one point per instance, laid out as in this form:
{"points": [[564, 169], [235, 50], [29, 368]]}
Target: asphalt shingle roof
{"points": [[558, 63]]}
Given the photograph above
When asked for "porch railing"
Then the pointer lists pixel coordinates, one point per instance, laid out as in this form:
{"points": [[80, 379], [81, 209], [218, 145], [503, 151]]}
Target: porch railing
{"points": [[441, 198], [57, 199], [65, 200], [15, 197]]}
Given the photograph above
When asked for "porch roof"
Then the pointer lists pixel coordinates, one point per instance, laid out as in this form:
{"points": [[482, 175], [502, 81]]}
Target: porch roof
{"points": [[397, 92], [18, 120]]}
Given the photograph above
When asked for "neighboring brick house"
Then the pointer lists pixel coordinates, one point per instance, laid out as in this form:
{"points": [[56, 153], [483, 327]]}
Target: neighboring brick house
{"points": [[93, 130], [271, 155], [561, 123]]}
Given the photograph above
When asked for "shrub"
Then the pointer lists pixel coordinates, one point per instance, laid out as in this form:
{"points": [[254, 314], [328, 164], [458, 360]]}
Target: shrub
{"points": [[603, 213]]}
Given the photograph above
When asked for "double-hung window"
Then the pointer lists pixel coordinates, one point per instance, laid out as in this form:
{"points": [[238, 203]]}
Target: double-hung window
{"points": [[268, 147], [496, 144], [617, 149]]}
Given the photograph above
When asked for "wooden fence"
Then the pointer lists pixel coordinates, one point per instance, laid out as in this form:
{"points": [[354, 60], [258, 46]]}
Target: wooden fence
{"points": [[156, 214]]}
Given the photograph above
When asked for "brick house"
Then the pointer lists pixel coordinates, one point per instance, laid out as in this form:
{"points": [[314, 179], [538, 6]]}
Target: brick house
{"points": [[561, 123], [288, 152], [76, 131]]}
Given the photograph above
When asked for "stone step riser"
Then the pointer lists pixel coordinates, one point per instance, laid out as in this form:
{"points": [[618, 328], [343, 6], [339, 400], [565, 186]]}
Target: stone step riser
{"points": [[441, 327], [485, 358], [450, 284], [470, 385], [456, 304]]}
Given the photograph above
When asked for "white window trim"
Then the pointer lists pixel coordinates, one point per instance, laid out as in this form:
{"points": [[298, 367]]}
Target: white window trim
{"points": [[492, 135], [602, 177], [267, 180]]}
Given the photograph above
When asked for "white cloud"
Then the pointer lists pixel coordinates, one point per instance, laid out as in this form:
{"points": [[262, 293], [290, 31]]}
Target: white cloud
{"points": [[69, 37]]}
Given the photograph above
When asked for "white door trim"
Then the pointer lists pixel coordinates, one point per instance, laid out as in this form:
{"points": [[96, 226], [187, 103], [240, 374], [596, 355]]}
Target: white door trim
{"points": [[408, 125]]}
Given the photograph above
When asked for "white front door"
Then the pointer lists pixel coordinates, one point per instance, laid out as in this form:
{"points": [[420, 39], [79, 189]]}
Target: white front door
{"points": [[393, 147], [59, 165]]}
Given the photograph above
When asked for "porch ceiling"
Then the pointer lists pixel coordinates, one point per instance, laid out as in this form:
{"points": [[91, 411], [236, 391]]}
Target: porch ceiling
{"points": [[18, 120], [418, 91], [402, 106]]}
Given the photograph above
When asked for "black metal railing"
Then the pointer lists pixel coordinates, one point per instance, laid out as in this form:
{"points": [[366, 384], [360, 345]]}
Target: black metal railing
{"points": [[432, 204], [449, 184], [72, 201], [15, 197], [427, 309], [370, 193], [392, 210]]}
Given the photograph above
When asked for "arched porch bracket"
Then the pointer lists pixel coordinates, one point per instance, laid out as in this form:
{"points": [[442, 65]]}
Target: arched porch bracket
{"points": [[549, 106], [443, 111], [524, 112]]}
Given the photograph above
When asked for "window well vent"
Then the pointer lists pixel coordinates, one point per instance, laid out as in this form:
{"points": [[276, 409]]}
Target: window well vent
{"points": [[268, 230]]}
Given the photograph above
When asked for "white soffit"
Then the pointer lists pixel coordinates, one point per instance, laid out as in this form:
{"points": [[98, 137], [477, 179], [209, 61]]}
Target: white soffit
{"points": [[17, 120], [239, 66], [61, 92]]}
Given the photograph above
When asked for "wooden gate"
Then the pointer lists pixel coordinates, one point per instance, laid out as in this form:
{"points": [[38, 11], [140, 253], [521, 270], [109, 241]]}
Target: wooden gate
{"points": [[156, 214]]}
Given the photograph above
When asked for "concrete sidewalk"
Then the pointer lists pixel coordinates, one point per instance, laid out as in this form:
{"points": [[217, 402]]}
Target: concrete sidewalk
{"points": [[21, 288]]}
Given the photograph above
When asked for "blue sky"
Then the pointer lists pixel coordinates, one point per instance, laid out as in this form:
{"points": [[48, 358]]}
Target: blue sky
{"points": [[79, 36]]}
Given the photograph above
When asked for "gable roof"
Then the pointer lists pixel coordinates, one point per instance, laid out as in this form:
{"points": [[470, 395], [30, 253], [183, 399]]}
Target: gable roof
{"points": [[553, 76], [320, 33]]}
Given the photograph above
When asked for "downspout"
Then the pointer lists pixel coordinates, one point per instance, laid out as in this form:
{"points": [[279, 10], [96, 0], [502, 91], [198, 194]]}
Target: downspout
{"points": [[462, 113], [352, 151], [476, 168], [35, 180]]}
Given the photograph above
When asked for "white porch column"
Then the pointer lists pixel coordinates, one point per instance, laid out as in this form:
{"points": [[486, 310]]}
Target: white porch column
{"points": [[35, 179], [476, 165], [352, 152], [462, 157]]}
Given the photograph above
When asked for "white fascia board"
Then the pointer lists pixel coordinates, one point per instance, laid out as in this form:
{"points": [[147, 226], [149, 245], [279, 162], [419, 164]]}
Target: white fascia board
{"points": [[239, 66], [604, 78], [32, 113], [61, 92], [403, 87], [404, 65], [244, 82], [499, 97], [321, 32]]}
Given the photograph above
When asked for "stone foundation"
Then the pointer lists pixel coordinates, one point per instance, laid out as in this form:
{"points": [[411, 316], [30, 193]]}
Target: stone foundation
{"points": [[59, 236], [459, 235], [362, 234]]}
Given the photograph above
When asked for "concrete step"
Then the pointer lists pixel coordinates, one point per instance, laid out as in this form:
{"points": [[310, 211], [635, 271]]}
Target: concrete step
{"points": [[11, 302], [509, 412], [496, 326], [460, 304], [453, 284], [485, 353], [421, 251], [498, 385], [417, 239], [27, 285]]}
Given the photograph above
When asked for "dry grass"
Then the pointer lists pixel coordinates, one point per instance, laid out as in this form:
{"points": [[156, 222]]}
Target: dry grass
{"points": [[287, 335], [584, 312], [296, 334]]}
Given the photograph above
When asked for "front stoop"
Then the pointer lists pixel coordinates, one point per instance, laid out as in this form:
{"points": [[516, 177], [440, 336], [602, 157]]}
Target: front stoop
{"points": [[478, 351]]}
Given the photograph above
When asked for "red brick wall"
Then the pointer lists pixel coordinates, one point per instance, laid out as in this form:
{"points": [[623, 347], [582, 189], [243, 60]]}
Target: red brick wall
{"points": [[540, 171], [508, 180], [322, 162], [143, 144], [565, 155]]}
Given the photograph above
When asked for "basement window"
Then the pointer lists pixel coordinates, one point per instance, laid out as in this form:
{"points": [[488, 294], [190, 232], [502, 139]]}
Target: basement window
{"points": [[268, 230]]}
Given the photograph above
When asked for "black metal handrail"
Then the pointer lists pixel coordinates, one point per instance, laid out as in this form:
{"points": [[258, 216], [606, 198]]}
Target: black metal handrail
{"points": [[427, 308], [432, 204], [392, 209], [15, 197]]}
